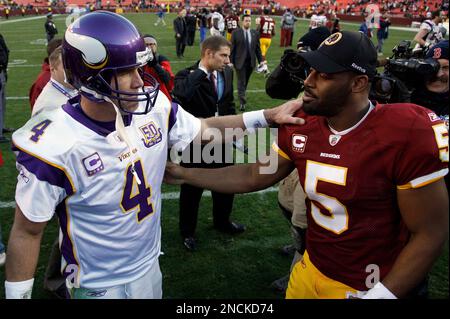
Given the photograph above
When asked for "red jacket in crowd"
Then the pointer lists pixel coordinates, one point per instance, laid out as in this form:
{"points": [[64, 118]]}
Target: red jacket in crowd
{"points": [[40, 82]]}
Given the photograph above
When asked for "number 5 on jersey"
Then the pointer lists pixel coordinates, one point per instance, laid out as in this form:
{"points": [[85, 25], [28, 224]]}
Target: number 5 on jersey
{"points": [[441, 135], [337, 221], [135, 195]]}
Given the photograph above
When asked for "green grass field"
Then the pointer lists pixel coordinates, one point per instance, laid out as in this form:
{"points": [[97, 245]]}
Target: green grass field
{"points": [[224, 266]]}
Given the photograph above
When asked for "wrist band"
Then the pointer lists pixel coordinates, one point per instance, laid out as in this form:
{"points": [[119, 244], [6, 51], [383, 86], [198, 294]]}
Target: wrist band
{"points": [[379, 291], [19, 289], [253, 120]]}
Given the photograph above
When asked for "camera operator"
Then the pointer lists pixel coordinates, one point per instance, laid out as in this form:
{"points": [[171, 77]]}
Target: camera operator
{"points": [[403, 73], [286, 81], [433, 94]]}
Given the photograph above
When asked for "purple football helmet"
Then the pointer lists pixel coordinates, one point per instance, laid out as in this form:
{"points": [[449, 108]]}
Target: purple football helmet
{"points": [[99, 45]]}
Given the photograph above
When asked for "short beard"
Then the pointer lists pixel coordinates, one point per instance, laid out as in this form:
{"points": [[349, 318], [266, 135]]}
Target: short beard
{"points": [[329, 106]]}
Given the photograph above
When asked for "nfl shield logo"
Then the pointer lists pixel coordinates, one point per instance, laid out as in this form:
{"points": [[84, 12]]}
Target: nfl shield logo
{"points": [[334, 139]]}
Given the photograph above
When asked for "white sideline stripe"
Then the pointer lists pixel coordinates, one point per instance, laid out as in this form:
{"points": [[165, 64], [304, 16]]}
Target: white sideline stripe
{"points": [[27, 50], [24, 66], [26, 97], [26, 19], [357, 24], [167, 196], [17, 98]]}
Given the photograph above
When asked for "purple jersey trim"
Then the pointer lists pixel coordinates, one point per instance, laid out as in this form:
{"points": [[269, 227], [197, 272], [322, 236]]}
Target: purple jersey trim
{"points": [[173, 115], [78, 115], [44, 171], [67, 249], [72, 107]]}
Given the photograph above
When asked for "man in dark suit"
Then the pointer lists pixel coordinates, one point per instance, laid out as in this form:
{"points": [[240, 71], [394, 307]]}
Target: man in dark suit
{"points": [[179, 26], [245, 50], [206, 90], [191, 26], [50, 27]]}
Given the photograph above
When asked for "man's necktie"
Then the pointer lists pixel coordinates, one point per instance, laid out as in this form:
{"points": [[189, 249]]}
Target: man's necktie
{"points": [[212, 77]]}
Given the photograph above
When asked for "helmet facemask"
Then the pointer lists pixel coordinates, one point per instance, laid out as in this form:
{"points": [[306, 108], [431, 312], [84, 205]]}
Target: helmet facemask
{"points": [[102, 85]]}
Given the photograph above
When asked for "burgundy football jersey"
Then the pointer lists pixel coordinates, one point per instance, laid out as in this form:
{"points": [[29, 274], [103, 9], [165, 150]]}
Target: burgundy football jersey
{"points": [[351, 182], [267, 25], [231, 22]]}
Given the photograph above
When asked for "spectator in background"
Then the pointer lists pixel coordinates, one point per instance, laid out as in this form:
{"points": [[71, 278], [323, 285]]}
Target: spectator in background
{"points": [[50, 27], [363, 28], [333, 24], [179, 26], [317, 20], [4, 58], [231, 23], [265, 25], [382, 33], [44, 76], [217, 23], [430, 33], [57, 91], [160, 14], [202, 19], [191, 26], [206, 90], [245, 50], [159, 67], [287, 28]]}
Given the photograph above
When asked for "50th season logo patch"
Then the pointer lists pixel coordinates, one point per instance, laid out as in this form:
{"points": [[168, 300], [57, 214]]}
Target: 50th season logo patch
{"points": [[152, 134]]}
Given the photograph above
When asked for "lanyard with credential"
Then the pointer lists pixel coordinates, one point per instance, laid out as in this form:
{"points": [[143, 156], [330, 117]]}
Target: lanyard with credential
{"points": [[61, 89]]}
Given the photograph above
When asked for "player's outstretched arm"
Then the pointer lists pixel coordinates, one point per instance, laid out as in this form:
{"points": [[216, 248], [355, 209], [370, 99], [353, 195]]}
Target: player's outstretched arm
{"points": [[282, 114], [242, 178], [420, 35], [425, 212], [23, 252]]}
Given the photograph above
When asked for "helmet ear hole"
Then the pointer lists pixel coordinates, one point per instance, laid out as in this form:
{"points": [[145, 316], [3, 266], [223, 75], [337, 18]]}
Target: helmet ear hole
{"points": [[98, 84]]}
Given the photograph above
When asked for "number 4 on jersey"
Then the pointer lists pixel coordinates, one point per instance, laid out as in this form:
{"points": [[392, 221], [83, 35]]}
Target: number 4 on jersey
{"points": [[39, 129], [135, 195]]}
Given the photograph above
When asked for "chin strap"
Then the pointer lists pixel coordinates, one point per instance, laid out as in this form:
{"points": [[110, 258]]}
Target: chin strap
{"points": [[120, 127]]}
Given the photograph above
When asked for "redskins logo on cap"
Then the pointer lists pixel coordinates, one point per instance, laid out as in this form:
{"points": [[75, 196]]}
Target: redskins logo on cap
{"points": [[332, 39]]}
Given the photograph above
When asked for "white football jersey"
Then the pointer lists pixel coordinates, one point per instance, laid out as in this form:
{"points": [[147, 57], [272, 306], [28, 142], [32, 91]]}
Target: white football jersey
{"points": [[53, 96], [220, 23], [318, 21], [71, 165]]}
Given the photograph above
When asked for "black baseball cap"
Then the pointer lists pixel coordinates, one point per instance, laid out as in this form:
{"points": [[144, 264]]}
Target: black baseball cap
{"points": [[344, 51], [314, 38]]}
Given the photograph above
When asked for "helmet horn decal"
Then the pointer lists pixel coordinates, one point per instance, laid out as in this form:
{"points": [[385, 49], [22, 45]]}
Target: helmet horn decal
{"points": [[93, 51]]}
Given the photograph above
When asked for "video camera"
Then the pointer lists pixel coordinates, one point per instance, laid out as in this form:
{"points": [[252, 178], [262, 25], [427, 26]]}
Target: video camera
{"points": [[403, 73], [286, 80]]}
